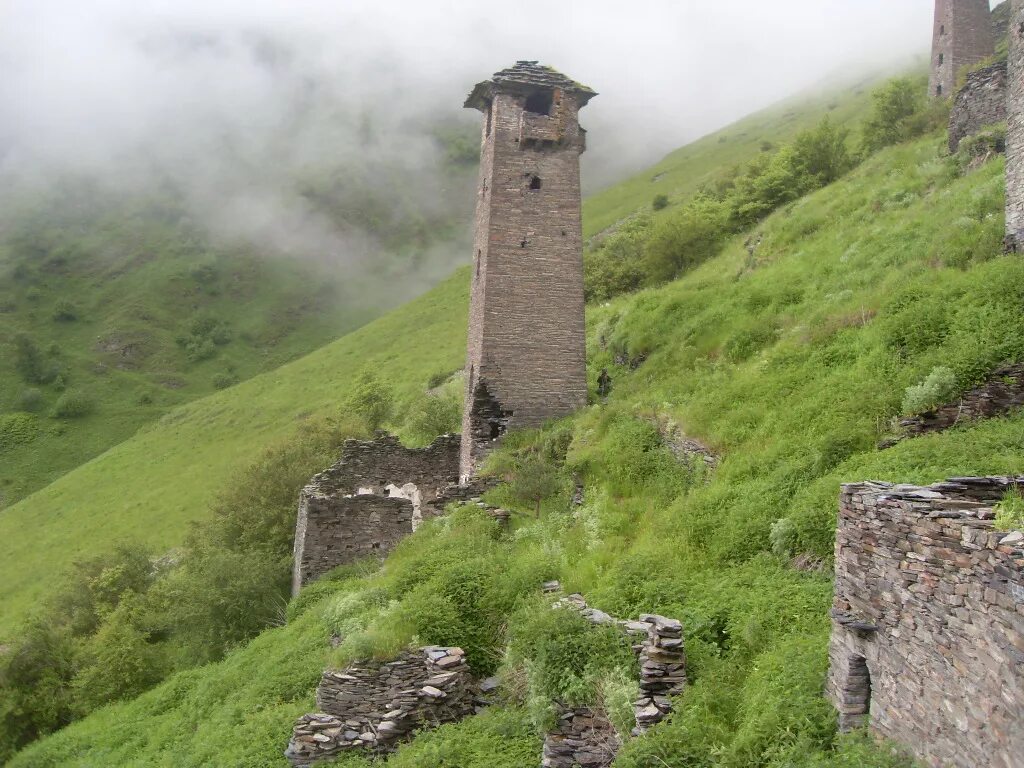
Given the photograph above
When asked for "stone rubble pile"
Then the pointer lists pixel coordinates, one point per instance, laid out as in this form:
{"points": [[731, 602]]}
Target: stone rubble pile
{"points": [[583, 736], [372, 707]]}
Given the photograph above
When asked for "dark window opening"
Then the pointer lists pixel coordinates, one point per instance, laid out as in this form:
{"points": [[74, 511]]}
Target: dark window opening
{"points": [[495, 429], [1020, 30], [856, 704], [942, 58], [942, 30], [938, 90], [478, 253], [523, 243], [535, 182], [540, 102], [490, 117]]}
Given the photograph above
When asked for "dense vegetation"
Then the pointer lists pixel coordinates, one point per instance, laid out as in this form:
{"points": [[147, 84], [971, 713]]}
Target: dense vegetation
{"points": [[788, 350]]}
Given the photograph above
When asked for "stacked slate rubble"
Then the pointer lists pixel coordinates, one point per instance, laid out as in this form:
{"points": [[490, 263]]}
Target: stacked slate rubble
{"points": [[584, 734], [372, 707]]}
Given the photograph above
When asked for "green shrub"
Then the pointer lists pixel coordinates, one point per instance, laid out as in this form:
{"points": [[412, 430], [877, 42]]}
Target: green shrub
{"points": [[1010, 511], [660, 202], [370, 399], [17, 429], [783, 537], [822, 153], [900, 112], [30, 363], [616, 266], [65, 312], [434, 415], [938, 387], [437, 378], [224, 380], [73, 404], [687, 238]]}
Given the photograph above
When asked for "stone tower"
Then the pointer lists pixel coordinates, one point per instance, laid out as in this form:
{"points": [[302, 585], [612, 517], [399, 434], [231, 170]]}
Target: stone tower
{"points": [[1015, 132], [526, 360], [962, 36]]}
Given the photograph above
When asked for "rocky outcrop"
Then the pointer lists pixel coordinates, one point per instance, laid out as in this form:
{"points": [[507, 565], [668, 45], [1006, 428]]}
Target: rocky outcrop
{"points": [[1000, 393], [928, 620], [981, 102], [373, 707]]}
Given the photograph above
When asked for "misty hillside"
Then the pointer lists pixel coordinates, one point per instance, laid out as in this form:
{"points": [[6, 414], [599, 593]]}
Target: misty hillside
{"points": [[116, 308], [787, 350]]}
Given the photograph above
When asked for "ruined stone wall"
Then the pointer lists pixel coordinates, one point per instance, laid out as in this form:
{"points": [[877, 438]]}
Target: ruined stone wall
{"points": [[981, 102], [962, 36], [1015, 132], [526, 352], [372, 707], [928, 621], [369, 501]]}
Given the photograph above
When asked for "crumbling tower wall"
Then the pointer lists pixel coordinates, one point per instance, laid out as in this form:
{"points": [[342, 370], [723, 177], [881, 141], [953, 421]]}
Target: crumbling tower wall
{"points": [[526, 359], [1015, 131], [962, 36]]}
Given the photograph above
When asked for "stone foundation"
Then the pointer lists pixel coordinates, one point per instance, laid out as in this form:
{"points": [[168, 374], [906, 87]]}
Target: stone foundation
{"points": [[583, 738], [928, 621], [981, 102], [373, 707], [1001, 393]]}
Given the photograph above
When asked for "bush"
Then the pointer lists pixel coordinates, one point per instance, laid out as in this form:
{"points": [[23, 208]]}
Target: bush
{"points": [[65, 312], [688, 238], [205, 334], [616, 265], [371, 400], [224, 380], [434, 415], [784, 537], [900, 111], [938, 387], [30, 363], [660, 202], [17, 429], [73, 404], [822, 154]]}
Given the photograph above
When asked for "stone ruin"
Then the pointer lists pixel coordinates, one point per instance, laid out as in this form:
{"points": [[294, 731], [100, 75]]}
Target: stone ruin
{"points": [[963, 35], [373, 707], [374, 497], [1015, 131], [980, 103], [1000, 393], [927, 641], [526, 360], [583, 736]]}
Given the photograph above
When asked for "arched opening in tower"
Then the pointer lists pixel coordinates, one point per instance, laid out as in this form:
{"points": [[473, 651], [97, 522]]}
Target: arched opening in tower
{"points": [[856, 695]]}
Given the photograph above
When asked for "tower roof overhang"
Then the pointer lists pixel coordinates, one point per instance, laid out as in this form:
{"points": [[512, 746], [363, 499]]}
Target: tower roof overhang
{"points": [[523, 78]]}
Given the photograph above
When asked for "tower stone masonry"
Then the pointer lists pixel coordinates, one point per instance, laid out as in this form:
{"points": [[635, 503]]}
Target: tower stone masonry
{"points": [[1015, 131], [962, 36], [526, 350]]}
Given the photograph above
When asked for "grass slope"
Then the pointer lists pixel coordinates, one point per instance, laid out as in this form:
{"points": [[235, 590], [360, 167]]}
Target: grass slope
{"points": [[682, 172], [790, 362]]}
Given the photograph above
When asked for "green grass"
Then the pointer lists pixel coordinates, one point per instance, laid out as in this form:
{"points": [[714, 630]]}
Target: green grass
{"points": [[790, 363], [681, 173]]}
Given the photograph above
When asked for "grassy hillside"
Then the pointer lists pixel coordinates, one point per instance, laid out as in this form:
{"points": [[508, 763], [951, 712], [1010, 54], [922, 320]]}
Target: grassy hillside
{"points": [[789, 360]]}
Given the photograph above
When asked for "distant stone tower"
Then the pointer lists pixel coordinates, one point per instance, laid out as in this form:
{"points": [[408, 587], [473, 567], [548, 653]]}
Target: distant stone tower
{"points": [[1015, 132], [526, 359], [962, 36]]}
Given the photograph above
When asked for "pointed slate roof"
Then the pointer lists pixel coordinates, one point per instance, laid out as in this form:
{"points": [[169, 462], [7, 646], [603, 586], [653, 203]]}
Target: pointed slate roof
{"points": [[523, 77]]}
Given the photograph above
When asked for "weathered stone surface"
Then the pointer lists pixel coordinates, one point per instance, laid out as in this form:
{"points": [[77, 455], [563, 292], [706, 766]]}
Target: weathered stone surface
{"points": [[963, 35], [369, 501], [981, 102], [375, 706], [526, 355], [583, 738], [928, 627], [1015, 132], [1002, 392]]}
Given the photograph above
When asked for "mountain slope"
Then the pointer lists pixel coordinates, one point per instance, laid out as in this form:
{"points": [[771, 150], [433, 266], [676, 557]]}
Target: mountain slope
{"points": [[788, 361]]}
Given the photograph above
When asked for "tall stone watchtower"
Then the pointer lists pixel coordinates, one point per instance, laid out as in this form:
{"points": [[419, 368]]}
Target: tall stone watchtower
{"points": [[962, 36], [526, 360]]}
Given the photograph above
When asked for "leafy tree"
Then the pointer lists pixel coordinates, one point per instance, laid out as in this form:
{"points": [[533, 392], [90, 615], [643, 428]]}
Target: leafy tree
{"points": [[898, 113], [660, 202], [686, 239], [532, 480], [822, 153], [371, 399], [29, 361]]}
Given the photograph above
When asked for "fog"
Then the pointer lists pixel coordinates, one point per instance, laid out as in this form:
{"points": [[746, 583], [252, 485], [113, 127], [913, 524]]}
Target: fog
{"points": [[231, 101]]}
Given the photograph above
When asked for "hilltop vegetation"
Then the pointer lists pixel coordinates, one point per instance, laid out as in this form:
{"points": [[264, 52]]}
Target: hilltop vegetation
{"points": [[787, 349]]}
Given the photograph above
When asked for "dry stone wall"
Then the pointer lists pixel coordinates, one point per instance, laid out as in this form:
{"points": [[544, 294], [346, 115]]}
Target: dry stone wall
{"points": [[526, 344], [369, 501], [373, 707], [928, 621], [583, 735], [981, 102], [1001, 393], [1015, 132]]}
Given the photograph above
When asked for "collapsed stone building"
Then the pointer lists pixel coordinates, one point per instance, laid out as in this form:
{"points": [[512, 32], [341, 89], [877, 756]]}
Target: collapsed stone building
{"points": [[962, 36]]}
